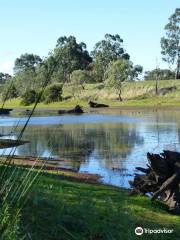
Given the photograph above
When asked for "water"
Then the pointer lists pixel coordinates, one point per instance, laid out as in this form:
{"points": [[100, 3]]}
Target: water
{"points": [[111, 143]]}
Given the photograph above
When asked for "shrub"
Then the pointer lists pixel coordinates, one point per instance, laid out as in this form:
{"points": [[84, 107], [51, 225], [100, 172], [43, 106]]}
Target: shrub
{"points": [[29, 97], [53, 93], [9, 92]]}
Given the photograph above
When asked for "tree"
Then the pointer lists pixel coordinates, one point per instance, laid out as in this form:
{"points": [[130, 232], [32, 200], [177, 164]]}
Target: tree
{"points": [[71, 56], [107, 50], [9, 91], [118, 72], [170, 44], [78, 80], [163, 74], [53, 93], [4, 77], [136, 70], [25, 80], [29, 97], [26, 62]]}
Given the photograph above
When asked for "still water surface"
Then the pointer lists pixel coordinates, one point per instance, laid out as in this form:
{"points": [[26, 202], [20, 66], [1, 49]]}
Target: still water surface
{"points": [[110, 143]]}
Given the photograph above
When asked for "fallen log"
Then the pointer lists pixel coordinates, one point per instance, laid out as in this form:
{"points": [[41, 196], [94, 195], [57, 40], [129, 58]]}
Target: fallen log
{"points": [[161, 179], [96, 105], [9, 143], [77, 109], [5, 110]]}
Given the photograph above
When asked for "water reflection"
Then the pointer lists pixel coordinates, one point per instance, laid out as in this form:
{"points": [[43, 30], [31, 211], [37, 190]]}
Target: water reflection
{"points": [[110, 144]]}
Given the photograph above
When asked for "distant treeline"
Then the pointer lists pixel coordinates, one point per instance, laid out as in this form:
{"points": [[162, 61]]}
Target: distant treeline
{"points": [[72, 65]]}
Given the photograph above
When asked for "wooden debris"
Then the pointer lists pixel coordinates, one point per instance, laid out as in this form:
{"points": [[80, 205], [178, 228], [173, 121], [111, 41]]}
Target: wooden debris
{"points": [[5, 110], [161, 179], [96, 105], [8, 143], [77, 109]]}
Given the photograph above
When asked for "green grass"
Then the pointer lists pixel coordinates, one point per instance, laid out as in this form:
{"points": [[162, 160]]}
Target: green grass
{"points": [[137, 93], [62, 208]]}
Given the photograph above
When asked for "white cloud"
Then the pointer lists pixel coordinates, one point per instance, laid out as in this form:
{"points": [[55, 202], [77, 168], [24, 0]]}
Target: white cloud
{"points": [[7, 67]]}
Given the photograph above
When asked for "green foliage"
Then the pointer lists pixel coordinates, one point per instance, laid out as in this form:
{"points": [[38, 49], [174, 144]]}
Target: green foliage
{"points": [[106, 51], [25, 80], [27, 62], [118, 72], [9, 223], [136, 70], [78, 80], [4, 77], [170, 44], [70, 56], [53, 93], [161, 74], [9, 91], [29, 97]]}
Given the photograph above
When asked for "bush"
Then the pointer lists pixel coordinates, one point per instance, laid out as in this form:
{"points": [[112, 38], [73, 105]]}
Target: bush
{"points": [[53, 93], [9, 92], [29, 97]]}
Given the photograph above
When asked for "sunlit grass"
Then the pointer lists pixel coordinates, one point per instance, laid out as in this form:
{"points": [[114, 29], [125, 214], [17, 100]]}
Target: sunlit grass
{"points": [[75, 210], [136, 93]]}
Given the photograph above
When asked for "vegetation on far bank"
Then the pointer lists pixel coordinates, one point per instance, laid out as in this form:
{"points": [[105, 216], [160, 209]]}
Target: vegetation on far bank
{"points": [[135, 93]]}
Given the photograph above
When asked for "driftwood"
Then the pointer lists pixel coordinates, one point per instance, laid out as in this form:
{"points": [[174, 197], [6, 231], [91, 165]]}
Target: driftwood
{"points": [[161, 179], [96, 105], [78, 110], [5, 110], [8, 143]]}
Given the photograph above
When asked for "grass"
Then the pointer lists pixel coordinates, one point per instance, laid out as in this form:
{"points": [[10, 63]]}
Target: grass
{"points": [[137, 93], [62, 208]]}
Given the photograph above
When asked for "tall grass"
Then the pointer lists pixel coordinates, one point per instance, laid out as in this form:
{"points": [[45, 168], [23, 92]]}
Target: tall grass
{"points": [[16, 183]]}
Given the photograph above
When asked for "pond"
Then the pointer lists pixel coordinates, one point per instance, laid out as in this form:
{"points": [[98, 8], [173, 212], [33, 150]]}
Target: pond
{"points": [[110, 142]]}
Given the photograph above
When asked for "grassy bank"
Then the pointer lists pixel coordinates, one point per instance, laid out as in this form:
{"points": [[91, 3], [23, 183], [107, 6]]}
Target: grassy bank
{"points": [[63, 208], [140, 93]]}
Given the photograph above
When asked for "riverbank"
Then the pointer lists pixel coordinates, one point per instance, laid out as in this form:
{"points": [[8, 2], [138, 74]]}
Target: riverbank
{"points": [[135, 94], [52, 166], [146, 104], [68, 207]]}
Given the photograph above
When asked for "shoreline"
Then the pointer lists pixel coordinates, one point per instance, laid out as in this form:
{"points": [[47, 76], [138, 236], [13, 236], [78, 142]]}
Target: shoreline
{"points": [[50, 165], [83, 177], [91, 110]]}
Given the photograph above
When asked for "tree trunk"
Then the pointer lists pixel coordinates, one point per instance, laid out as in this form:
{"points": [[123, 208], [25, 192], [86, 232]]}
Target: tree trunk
{"points": [[120, 98], [156, 89], [178, 68]]}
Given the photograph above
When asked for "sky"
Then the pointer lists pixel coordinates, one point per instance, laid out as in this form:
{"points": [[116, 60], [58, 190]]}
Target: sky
{"points": [[34, 26]]}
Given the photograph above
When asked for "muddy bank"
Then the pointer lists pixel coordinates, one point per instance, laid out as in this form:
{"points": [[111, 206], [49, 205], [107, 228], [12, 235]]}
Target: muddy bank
{"points": [[52, 165]]}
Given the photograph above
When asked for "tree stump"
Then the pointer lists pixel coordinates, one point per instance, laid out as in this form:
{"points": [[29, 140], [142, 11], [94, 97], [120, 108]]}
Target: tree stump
{"points": [[161, 179]]}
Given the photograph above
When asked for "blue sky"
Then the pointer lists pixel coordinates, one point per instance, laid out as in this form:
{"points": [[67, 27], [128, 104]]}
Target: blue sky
{"points": [[34, 26]]}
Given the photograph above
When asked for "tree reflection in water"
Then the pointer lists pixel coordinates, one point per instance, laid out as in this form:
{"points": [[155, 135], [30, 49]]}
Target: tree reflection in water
{"points": [[109, 143]]}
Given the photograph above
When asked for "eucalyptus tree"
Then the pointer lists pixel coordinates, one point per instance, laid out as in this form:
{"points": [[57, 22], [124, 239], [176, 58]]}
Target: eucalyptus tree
{"points": [[4, 77], [105, 51], [26, 72], [164, 74], [118, 72], [26, 62], [72, 56], [170, 44]]}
